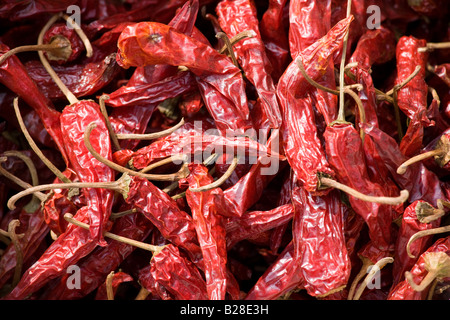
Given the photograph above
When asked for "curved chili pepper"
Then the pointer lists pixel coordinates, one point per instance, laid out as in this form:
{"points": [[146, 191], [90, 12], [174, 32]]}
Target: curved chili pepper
{"points": [[281, 277], [14, 75], [74, 120], [238, 16], [219, 81]]}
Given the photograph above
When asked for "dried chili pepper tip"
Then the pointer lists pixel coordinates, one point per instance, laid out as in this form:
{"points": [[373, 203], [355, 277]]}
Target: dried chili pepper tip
{"points": [[441, 155], [438, 266]]}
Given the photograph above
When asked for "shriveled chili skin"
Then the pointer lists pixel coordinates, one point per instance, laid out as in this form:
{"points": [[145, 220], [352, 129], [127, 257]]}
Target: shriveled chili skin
{"points": [[74, 120], [319, 242], [210, 228], [412, 98], [237, 16], [346, 155], [409, 226], [403, 291], [174, 224], [149, 43]]}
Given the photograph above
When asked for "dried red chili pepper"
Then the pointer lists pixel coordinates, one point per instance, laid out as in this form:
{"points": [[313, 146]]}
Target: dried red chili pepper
{"points": [[103, 260], [220, 81], [176, 274], [210, 229], [304, 151], [238, 16], [421, 269], [321, 251], [418, 216], [118, 278], [412, 98], [14, 75]]}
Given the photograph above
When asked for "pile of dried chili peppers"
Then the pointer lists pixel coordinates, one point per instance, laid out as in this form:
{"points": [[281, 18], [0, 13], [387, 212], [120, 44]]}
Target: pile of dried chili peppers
{"points": [[225, 150]]}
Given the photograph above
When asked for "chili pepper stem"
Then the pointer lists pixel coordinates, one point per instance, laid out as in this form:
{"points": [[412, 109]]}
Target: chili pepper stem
{"points": [[438, 266], [224, 37], [341, 111], [50, 47], [301, 67], [441, 155], [404, 82], [219, 181], [171, 159], [358, 277], [240, 36], [424, 233], [19, 254], [81, 34], [432, 46], [404, 194], [108, 284], [155, 249], [378, 266], [150, 136], [34, 146], [158, 177], [69, 95], [121, 186], [426, 213], [142, 294], [112, 134]]}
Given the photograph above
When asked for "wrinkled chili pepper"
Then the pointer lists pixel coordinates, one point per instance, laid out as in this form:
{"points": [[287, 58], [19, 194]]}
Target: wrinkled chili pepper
{"points": [[403, 290], [220, 81], [412, 98], [413, 220], [321, 251], [299, 134], [118, 278], [209, 225], [238, 16]]}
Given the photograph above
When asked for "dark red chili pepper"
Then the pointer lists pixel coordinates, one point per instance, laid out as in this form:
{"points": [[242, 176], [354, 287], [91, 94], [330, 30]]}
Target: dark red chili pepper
{"points": [[238, 16], [421, 183], [74, 120], [346, 155], [62, 30], [118, 278], [273, 34]]}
